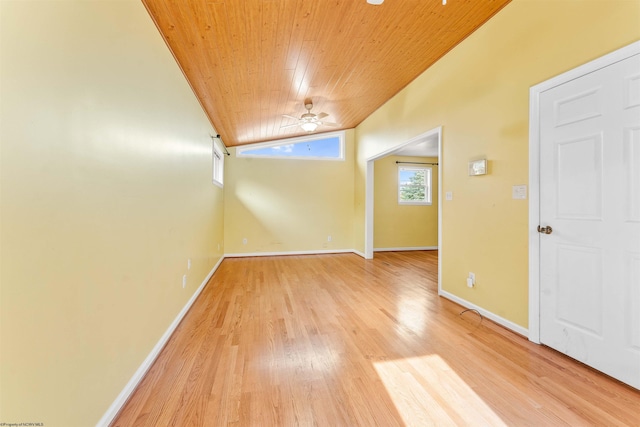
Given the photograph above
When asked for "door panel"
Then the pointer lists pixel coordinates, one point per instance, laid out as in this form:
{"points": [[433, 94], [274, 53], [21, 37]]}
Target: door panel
{"points": [[632, 91], [590, 196], [579, 178], [578, 107], [632, 172], [582, 310], [632, 311]]}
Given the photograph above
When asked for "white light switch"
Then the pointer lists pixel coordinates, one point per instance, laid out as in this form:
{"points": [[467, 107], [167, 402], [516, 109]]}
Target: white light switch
{"points": [[519, 192], [448, 195]]}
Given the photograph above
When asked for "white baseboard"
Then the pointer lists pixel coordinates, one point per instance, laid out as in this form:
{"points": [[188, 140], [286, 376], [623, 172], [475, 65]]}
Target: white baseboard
{"points": [[359, 253], [316, 252], [124, 395], [412, 248], [489, 315]]}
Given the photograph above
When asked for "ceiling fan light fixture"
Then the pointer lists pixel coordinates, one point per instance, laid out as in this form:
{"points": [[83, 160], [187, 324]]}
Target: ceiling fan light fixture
{"points": [[309, 126], [375, 1]]}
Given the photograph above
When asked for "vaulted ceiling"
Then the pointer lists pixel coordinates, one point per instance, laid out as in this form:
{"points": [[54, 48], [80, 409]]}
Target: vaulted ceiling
{"points": [[251, 61]]}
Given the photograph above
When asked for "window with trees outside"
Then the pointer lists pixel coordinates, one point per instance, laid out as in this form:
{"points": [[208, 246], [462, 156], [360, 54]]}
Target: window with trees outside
{"points": [[414, 185]]}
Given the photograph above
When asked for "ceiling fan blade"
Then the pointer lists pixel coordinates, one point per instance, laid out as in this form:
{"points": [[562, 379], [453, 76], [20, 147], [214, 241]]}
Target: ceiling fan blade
{"points": [[321, 115], [290, 117], [335, 125], [290, 126]]}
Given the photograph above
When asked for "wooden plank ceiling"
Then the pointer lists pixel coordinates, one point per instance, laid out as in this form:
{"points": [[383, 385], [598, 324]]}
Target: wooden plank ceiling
{"points": [[251, 61]]}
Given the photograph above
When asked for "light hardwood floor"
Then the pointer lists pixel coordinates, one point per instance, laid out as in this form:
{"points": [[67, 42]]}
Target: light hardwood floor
{"points": [[336, 340]]}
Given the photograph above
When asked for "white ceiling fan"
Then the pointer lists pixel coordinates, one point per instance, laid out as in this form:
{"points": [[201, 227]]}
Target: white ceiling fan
{"points": [[309, 121]]}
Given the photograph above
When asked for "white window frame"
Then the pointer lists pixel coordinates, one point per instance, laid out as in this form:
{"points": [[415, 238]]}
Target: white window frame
{"points": [[427, 187], [217, 165], [242, 151]]}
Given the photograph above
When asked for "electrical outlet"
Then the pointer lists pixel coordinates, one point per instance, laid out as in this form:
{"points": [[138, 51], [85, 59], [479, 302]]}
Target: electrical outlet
{"points": [[184, 281], [328, 238], [448, 195], [189, 264], [244, 241], [471, 280]]}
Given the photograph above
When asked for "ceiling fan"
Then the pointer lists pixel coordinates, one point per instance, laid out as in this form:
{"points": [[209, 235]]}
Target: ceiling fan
{"points": [[309, 121]]}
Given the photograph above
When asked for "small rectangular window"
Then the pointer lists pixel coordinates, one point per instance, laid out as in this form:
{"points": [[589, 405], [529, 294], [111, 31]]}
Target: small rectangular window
{"points": [[218, 166], [326, 146], [414, 185]]}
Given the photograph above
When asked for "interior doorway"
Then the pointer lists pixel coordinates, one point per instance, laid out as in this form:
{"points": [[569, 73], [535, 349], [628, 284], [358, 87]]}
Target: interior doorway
{"points": [[433, 136]]}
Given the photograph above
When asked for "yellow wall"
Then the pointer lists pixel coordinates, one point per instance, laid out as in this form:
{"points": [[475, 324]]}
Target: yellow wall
{"points": [[106, 192], [479, 93], [402, 226], [106, 183], [282, 205]]}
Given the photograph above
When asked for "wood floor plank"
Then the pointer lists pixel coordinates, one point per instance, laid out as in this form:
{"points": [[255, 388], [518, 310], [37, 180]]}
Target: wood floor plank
{"points": [[336, 340]]}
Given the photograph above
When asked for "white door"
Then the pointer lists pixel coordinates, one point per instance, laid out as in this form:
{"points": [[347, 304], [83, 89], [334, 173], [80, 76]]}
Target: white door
{"points": [[590, 197]]}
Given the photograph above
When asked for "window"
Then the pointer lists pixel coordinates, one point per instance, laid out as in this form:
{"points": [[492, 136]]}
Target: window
{"points": [[218, 166], [414, 185], [326, 146]]}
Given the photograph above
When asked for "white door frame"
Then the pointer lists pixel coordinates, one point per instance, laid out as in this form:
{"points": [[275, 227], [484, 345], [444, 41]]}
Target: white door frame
{"points": [[368, 203], [534, 171]]}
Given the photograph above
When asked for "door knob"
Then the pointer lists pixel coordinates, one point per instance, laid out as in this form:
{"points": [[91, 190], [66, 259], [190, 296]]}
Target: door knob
{"points": [[545, 230]]}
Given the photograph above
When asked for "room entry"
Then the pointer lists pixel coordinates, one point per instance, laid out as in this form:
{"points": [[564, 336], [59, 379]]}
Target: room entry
{"points": [[589, 218]]}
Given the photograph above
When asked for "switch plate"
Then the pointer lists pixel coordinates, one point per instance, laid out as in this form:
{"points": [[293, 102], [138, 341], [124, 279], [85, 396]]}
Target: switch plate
{"points": [[329, 238], [189, 264], [448, 195], [184, 281], [519, 192]]}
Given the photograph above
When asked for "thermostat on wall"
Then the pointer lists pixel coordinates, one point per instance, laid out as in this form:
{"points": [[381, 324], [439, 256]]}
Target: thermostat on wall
{"points": [[478, 167]]}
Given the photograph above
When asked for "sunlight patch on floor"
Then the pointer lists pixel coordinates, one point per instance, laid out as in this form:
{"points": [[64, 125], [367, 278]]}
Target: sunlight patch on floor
{"points": [[411, 312], [426, 391]]}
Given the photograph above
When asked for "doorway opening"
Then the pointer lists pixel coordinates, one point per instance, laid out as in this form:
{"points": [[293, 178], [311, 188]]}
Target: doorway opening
{"points": [[432, 137]]}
